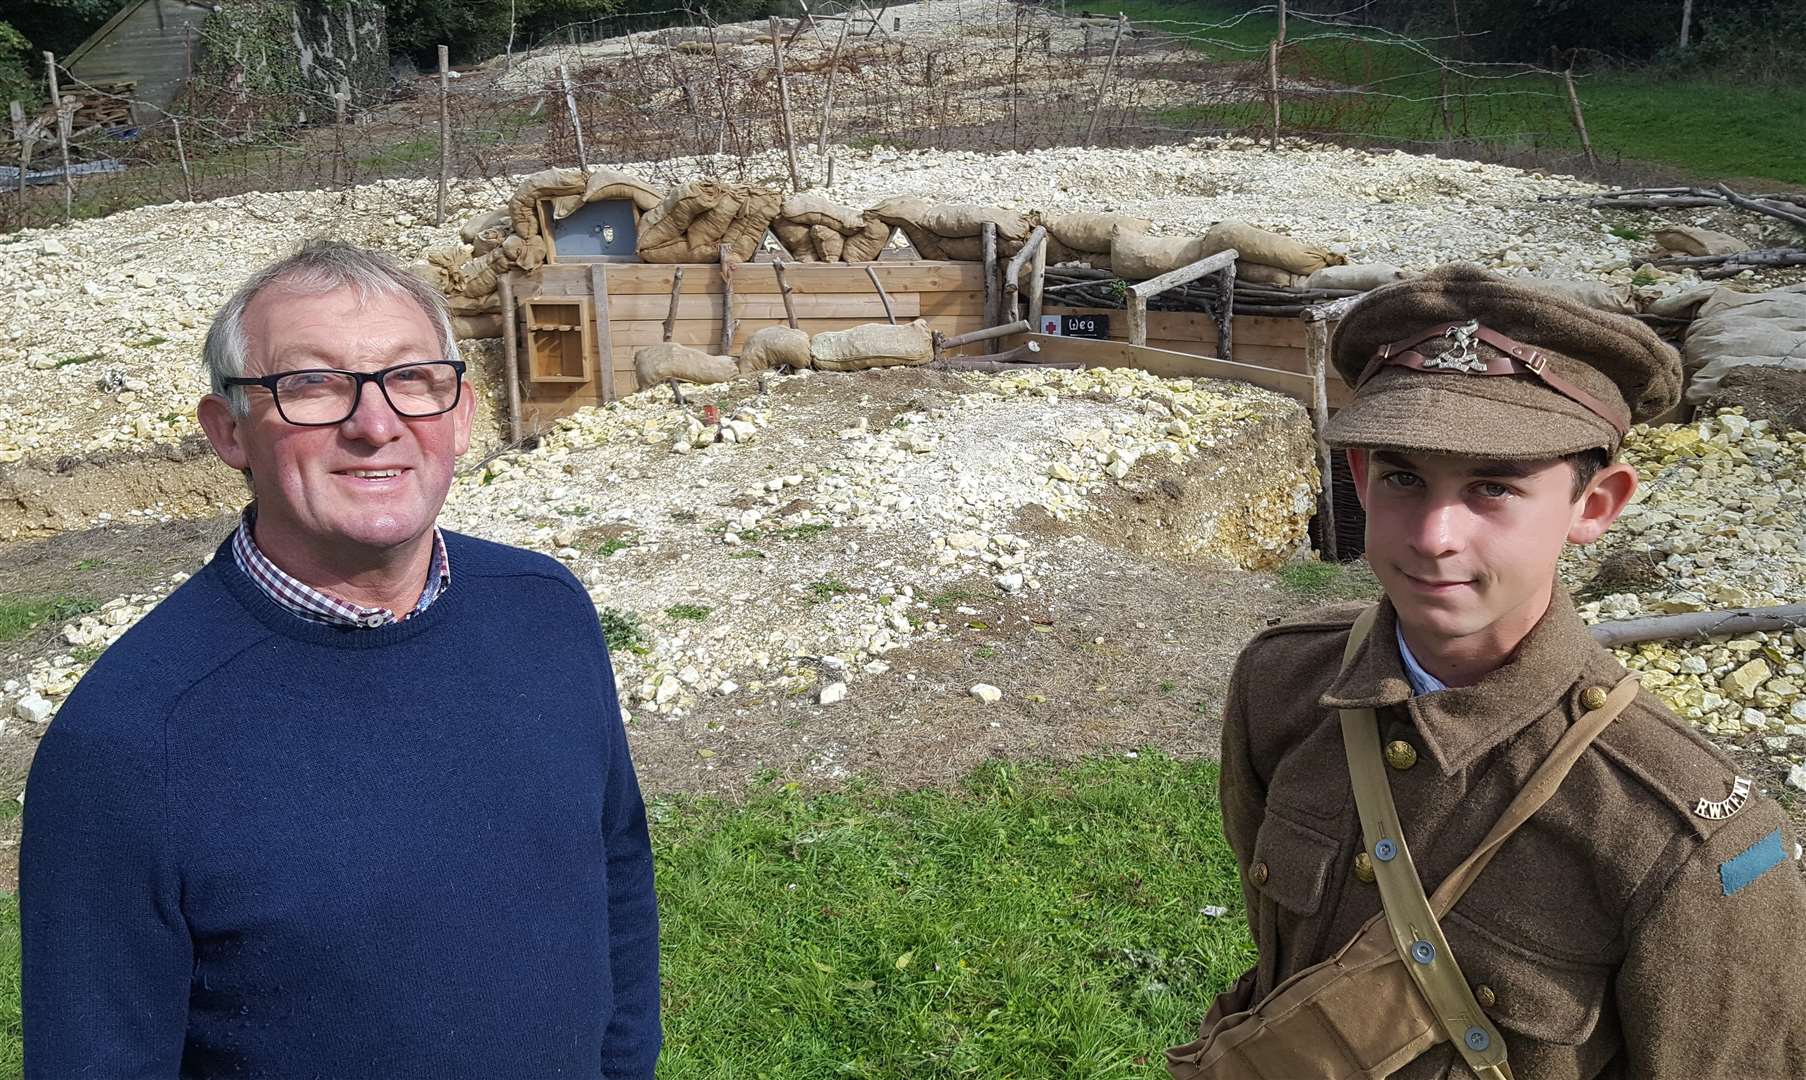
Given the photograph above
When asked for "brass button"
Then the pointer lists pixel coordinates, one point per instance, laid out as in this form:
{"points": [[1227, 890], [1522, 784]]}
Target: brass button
{"points": [[1484, 995], [1593, 697], [1363, 866], [1258, 873], [1401, 755]]}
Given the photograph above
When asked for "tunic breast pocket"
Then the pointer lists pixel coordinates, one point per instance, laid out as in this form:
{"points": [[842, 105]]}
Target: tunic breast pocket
{"points": [[1290, 872], [1525, 991]]}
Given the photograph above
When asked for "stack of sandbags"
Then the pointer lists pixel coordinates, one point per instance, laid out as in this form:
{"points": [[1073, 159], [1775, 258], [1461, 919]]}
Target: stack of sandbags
{"points": [[694, 220], [654, 364], [1136, 256], [872, 345], [1615, 299], [485, 232], [565, 186], [815, 229], [953, 230], [1268, 258], [1362, 278], [1086, 237], [1686, 240], [774, 347], [1735, 329]]}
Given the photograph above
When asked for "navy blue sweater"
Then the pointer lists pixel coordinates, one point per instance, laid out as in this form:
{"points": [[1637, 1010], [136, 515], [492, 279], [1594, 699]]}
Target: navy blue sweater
{"points": [[257, 846]]}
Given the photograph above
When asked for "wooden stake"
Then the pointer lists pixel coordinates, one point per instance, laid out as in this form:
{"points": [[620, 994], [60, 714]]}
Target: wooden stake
{"points": [[989, 234], [1037, 278], [62, 136], [570, 103], [444, 129], [1580, 124], [1282, 23], [510, 354], [872, 272], [784, 290], [1273, 91], [827, 104], [1103, 87], [777, 52], [25, 136], [1138, 318], [1686, 22], [1698, 623], [989, 333], [1316, 359], [182, 157], [605, 345], [1012, 274], [677, 286], [1226, 313], [1448, 119], [727, 301]]}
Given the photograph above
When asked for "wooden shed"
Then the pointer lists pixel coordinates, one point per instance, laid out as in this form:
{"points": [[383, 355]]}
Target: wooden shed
{"points": [[152, 44]]}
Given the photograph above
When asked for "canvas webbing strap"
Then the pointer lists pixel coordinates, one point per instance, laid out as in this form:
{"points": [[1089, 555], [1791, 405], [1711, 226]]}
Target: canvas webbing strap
{"points": [[1409, 913]]}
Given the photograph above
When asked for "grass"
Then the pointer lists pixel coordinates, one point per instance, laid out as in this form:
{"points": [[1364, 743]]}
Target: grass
{"points": [[688, 612], [613, 544], [1034, 922], [20, 615], [1705, 127], [85, 358], [820, 592], [1325, 583], [623, 632]]}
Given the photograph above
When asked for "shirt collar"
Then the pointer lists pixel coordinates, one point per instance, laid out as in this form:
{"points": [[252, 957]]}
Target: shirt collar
{"points": [[1422, 682], [318, 605], [1459, 724]]}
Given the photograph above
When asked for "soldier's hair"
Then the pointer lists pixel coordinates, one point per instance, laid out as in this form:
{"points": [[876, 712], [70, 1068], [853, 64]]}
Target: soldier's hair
{"points": [[1587, 464], [321, 266]]}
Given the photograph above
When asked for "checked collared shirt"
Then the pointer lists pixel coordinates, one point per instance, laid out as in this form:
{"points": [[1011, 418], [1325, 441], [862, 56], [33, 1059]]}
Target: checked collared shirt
{"points": [[316, 605]]}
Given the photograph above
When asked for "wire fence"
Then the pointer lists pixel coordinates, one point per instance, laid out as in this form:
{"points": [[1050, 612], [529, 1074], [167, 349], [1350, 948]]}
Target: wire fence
{"points": [[948, 74]]}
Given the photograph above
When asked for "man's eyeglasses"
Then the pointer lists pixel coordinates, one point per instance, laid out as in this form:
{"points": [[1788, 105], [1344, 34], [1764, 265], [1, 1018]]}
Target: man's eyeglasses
{"points": [[323, 397]]}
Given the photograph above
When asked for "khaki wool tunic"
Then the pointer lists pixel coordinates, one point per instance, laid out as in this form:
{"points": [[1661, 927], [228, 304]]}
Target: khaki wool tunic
{"points": [[1617, 934]]}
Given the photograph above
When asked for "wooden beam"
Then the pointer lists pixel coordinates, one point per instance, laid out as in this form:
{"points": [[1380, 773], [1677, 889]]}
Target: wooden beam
{"points": [[605, 346], [1037, 281], [1012, 274], [677, 285], [989, 248], [777, 267], [989, 333], [1169, 364], [1210, 264], [727, 301], [889, 312], [1698, 624], [1316, 350], [510, 354]]}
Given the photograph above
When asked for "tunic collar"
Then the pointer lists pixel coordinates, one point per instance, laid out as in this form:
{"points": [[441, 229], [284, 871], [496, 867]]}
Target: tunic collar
{"points": [[1462, 723]]}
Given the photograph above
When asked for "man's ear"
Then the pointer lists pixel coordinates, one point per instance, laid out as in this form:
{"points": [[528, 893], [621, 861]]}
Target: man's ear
{"points": [[463, 416], [1357, 469], [1604, 499], [221, 426]]}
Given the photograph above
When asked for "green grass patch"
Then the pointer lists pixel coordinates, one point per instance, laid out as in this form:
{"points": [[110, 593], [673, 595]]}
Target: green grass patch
{"points": [[1324, 582], [20, 615], [947, 598], [688, 612], [12, 1026], [623, 632], [1623, 233], [613, 544], [84, 358], [150, 342], [412, 151], [807, 531], [820, 592], [1034, 923]]}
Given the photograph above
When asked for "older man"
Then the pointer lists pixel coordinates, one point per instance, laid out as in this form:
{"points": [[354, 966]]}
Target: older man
{"points": [[356, 800]]}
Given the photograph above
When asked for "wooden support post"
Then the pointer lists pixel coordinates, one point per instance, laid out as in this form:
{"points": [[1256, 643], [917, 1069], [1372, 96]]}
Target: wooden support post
{"points": [[784, 290], [1448, 118], [1138, 318], [989, 333], [1316, 358], [1226, 313], [63, 120], [510, 353], [182, 159], [605, 345], [989, 233], [1686, 23], [1580, 124], [1103, 87], [444, 130], [1037, 280], [1140, 293], [1012, 274], [677, 286], [1273, 91], [777, 52], [889, 313], [727, 300], [25, 136], [1282, 23], [570, 104], [827, 104]]}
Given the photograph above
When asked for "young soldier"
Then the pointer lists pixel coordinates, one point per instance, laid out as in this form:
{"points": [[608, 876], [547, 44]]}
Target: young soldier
{"points": [[1649, 919]]}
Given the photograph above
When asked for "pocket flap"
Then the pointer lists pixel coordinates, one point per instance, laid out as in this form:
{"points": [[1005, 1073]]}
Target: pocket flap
{"points": [[1298, 862], [1549, 1000]]}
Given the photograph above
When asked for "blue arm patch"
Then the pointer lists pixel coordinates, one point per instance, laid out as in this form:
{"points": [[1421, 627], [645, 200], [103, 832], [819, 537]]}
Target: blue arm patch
{"points": [[1759, 858]]}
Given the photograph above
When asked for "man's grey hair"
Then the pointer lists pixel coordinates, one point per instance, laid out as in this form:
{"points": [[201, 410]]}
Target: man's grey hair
{"points": [[321, 266]]}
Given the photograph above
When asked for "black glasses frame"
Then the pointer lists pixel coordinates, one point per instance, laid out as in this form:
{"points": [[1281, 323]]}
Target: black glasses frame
{"points": [[268, 382]]}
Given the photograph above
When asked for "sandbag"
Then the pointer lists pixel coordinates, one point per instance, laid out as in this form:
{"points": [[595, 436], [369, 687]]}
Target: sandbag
{"points": [[1272, 249], [545, 184], [1684, 240], [953, 230], [478, 275], [667, 222], [758, 206], [811, 209], [795, 239], [1359, 278], [1736, 329], [1136, 256], [609, 184], [1261, 274], [872, 345], [774, 347], [1594, 294], [473, 327], [827, 242], [868, 243], [1090, 232], [482, 223], [654, 364], [487, 304]]}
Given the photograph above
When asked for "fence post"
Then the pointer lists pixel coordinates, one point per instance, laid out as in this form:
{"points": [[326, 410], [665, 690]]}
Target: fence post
{"points": [[1273, 90], [22, 132], [1580, 124], [1448, 120], [827, 104], [1282, 22], [777, 51], [1103, 88], [444, 128], [62, 136], [570, 103], [182, 157]]}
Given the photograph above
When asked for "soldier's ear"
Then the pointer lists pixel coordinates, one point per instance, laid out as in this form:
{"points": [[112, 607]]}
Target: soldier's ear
{"points": [[1357, 469], [1605, 497]]}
